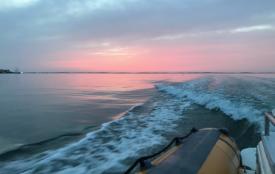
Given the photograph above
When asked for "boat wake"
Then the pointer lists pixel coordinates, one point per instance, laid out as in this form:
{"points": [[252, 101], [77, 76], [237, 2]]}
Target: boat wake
{"points": [[239, 98], [145, 128], [107, 149]]}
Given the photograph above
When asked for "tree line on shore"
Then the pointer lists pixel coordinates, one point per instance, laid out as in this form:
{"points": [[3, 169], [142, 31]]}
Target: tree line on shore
{"points": [[6, 71]]}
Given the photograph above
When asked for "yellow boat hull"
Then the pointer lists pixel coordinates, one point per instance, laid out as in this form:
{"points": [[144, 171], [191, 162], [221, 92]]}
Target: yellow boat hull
{"points": [[206, 151]]}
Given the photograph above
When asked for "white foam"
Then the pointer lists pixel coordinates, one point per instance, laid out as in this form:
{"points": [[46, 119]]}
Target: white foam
{"points": [[213, 94], [110, 147]]}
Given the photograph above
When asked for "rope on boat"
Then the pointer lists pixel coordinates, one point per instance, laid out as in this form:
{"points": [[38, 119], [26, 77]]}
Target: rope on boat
{"points": [[142, 161]]}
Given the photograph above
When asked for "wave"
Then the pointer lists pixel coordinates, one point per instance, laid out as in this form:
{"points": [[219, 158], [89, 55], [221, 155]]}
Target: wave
{"points": [[237, 97], [107, 149], [22, 147]]}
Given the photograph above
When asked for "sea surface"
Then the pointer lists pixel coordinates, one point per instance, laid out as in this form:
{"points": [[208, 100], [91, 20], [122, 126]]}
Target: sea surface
{"points": [[101, 123]]}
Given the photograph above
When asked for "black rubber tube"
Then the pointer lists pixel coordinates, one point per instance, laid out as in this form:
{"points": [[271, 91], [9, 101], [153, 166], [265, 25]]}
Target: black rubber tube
{"points": [[141, 161]]}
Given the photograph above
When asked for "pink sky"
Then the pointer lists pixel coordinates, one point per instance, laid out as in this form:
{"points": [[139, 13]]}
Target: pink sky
{"points": [[130, 35], [173, 55]]}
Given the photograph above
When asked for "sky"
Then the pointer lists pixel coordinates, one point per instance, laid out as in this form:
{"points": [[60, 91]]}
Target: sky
{"points": [[137, 35]]}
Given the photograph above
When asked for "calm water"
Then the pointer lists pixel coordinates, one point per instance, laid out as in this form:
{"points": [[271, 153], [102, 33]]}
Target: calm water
{"points": [[35, 107], [87, 122]]}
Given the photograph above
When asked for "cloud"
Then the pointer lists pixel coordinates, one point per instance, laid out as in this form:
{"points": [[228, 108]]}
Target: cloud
{"points": [[253, 28], [114, 52], [189, 35], [7, 4], [178, 36]]}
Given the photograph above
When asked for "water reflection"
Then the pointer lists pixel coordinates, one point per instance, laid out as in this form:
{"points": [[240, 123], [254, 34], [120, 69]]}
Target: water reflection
{"points": [[34, 107]]}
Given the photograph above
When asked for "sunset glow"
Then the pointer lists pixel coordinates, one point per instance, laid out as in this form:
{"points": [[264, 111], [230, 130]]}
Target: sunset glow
{"points": [[135, 36]]}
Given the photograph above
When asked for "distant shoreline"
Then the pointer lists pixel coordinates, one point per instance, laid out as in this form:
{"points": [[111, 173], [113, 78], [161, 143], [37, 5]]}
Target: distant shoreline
{"points": [[7, 71], [104, 72]]}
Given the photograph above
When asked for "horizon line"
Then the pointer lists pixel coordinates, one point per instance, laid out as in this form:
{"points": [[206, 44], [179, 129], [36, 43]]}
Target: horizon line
{"points": [[147, 72]]}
